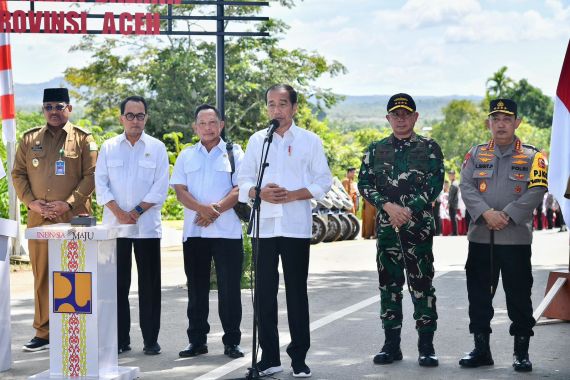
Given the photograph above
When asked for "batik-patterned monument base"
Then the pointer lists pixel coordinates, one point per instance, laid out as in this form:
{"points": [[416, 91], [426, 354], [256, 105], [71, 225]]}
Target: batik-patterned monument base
{"points": [[83, 301]]}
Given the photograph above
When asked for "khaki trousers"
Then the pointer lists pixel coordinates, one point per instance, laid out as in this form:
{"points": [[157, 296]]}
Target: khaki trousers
{"points": [[38, 250]]}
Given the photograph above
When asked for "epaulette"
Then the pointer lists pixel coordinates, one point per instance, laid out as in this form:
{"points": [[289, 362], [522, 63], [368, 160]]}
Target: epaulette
{"points": [[82, 129], [531, 147], [33, 129]]}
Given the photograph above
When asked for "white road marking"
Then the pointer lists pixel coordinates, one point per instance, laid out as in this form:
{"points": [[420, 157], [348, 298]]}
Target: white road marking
{"points": [[246, 360]]}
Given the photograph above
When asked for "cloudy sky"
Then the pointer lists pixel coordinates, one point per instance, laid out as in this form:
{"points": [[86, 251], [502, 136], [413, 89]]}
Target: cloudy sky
{"points": [[424, 47]]}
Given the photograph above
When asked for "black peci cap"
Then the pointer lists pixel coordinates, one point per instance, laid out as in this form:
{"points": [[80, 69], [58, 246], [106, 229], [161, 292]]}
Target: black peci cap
{"points": [[56, 95]]}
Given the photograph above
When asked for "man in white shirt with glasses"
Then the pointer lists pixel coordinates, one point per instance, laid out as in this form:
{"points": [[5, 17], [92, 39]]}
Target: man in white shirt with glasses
{"points": [[297, 172], [131, 181], [205, 183]]}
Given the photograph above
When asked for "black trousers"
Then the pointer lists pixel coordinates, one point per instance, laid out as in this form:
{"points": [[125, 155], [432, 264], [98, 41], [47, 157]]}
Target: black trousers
{"points": [[147, 256], [228, 258], [453, 217], [437, 218], [295, 261], [513, 262]]}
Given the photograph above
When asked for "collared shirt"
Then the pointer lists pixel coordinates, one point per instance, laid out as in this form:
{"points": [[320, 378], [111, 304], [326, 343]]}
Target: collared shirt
{"points": [[296, 161], [501, 181], [74, 152], [131, 174], [207, 177]]}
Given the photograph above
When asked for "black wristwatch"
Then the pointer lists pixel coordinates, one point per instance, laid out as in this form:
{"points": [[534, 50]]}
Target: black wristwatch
{"points": [[139, 209]]}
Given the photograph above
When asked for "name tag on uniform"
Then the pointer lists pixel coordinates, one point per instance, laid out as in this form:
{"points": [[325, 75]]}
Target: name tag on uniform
{"points": [[60, 167]]}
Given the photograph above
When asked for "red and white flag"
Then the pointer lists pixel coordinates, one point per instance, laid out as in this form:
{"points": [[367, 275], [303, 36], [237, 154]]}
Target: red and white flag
{"points": [[559, 168], [6, 86]]}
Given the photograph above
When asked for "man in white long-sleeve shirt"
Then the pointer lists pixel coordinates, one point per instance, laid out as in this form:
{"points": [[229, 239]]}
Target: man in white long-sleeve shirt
{"points": [[131, 181], [297, 172]]}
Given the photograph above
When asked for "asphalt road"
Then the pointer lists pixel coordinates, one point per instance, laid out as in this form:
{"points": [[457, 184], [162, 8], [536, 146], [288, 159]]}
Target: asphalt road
{"points": [[346, 331]]}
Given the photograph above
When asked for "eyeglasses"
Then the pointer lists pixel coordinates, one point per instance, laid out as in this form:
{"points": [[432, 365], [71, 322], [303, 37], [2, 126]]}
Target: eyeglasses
{"points": [[131, 116], [401, 116], [58, 107]]}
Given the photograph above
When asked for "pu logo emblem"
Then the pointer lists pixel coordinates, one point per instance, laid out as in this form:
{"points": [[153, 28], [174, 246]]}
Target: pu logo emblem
{"points": [[72, 292]]}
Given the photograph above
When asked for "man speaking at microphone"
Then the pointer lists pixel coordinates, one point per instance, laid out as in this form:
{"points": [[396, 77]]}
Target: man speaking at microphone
{"points": [[297, 171]]}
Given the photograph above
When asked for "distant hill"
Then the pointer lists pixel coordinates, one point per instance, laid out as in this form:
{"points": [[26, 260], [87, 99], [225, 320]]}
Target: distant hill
{"points": [[360, 109], [30, 95], [373, 108]]}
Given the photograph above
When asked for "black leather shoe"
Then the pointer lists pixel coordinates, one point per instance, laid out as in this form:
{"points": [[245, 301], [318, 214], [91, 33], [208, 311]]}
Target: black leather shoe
{"points": [[36, 344], [124, 348], [481, 354], [234, 351], [153, 349], [521, 362], [193, 350]]}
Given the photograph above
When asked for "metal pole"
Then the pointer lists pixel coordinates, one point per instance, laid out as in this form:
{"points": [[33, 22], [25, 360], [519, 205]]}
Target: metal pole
{"points": [[14, 206], [220, 64]]}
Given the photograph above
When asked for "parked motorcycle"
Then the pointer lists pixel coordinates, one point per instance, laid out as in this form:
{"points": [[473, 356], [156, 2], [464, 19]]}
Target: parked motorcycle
{"points": [[332, 217]]}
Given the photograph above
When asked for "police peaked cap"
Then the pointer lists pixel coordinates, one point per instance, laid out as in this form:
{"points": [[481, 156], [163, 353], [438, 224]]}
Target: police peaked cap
{"points": [[507, 106], [56, 95]]}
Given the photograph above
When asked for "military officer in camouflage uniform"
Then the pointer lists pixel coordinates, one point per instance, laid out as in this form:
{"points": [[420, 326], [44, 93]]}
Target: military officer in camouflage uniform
{"points": [[401, 176], [53, 176], [502, 182]]}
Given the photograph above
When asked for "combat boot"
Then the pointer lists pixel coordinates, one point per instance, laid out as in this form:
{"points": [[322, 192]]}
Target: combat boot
{"points": [[391, 350], [521, 362], [481, 354], [427, 356]]}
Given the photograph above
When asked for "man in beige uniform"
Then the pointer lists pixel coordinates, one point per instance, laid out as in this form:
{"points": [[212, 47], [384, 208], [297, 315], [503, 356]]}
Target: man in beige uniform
{"points": [[54, 177]]}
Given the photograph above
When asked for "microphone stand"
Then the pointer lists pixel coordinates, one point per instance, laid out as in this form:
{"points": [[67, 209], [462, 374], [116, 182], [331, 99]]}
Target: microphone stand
{"points": [[254, 219]]}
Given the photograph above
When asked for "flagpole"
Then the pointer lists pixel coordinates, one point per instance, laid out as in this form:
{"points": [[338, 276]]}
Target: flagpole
{"points": [[9, 126], [555, 304]]}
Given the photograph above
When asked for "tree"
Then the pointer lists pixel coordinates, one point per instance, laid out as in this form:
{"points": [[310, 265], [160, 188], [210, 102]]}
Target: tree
{"points": [[499, 83], [179, 76], [532, 104], [462, 127]]}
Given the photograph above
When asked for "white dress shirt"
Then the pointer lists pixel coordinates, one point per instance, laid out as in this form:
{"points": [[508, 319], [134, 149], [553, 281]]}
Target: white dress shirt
{"points": [[296, 161], [131, 174], [207, 176]]}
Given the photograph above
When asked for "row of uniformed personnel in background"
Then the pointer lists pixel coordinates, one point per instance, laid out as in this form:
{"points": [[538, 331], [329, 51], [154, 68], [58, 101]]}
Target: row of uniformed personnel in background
{"points": [[58, 166]]}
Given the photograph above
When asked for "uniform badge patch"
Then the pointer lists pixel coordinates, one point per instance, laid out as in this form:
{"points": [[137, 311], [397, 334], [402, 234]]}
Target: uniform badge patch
{"points": [[482, 186], [35, 162], [92, 146], [518, 189], [538, 172]]}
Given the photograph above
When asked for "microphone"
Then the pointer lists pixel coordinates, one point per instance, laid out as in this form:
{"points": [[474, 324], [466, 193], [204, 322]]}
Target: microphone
{"points": [[273, 125]]}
